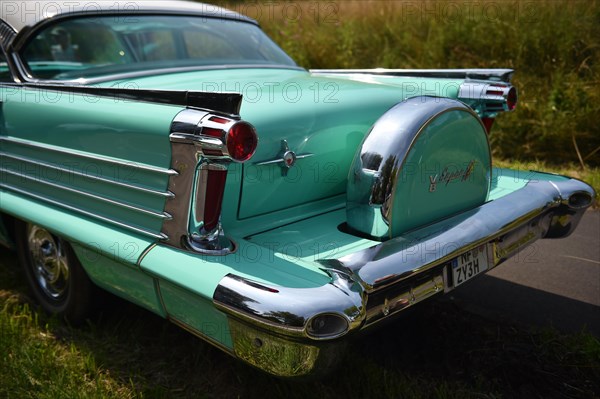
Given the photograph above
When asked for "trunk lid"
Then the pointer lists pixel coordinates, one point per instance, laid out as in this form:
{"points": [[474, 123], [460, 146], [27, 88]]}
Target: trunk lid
{"points": [[321, 119]]}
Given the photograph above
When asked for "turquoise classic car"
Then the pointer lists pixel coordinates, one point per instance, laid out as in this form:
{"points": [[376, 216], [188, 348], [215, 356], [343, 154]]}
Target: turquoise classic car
{"points": [[171, 154]]}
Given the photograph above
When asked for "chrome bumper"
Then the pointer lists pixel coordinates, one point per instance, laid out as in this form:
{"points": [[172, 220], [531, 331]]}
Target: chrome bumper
{"points": [[374, 284]]}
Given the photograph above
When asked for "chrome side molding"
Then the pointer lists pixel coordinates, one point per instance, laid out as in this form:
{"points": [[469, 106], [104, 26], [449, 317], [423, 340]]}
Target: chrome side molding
{"points": [[43, 179]]}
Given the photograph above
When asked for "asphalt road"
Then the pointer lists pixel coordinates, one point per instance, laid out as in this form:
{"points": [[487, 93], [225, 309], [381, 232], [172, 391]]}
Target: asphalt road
{"points": [[551, 283]]}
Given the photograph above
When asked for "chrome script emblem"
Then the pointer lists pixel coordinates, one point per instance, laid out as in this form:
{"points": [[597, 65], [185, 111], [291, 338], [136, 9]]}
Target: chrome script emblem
{"points": [[448, 176], [286, 158], [432, 183]]}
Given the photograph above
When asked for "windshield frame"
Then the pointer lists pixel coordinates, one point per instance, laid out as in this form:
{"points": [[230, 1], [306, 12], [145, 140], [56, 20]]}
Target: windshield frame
{"points": [[26, 35]]}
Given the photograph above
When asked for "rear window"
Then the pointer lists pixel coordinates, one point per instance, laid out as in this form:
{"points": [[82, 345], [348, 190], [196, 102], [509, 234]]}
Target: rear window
{"points": [[89, 47]]}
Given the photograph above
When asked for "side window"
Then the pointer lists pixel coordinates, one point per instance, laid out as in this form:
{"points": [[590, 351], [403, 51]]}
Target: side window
{"points": [[152, 45], [72, 46]]}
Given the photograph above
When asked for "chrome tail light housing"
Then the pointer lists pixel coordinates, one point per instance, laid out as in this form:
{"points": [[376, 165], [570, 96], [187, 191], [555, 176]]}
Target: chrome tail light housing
{"points": [[488, 99], [203, 144]]}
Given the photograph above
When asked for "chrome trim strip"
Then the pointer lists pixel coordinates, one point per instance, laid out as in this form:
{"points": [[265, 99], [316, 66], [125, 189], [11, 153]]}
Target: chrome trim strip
{"points": [[101, 158], [135, 229], [134, 208], [184, 159], [503, 75], [403, 298], [144, 253], [165, 194], [281, 159], [168, 71], [272, 161], [285, 157], [201, 239], [202, 141]]}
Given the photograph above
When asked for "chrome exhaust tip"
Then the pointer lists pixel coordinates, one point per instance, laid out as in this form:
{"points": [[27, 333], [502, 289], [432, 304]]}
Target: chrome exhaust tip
{"points": [[579, 200]]}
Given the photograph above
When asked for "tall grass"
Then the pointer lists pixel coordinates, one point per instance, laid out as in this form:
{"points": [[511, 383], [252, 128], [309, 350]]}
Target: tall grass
{"points": [[554, 46]]}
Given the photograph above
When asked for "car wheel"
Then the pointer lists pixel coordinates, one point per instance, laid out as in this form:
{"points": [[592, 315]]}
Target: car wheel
{"points": [[55, 276]]}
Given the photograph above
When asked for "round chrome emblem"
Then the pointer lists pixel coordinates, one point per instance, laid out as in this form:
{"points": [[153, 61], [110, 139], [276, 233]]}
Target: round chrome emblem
{"points": [[289, 159]]}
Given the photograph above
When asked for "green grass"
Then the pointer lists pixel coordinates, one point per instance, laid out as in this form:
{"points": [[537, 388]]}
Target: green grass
{"points": [[439, 351], [554, 46], [35, 362]]}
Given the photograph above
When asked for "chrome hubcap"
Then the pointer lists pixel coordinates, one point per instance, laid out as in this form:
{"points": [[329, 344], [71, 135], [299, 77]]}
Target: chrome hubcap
{"points": [[49, 262]]}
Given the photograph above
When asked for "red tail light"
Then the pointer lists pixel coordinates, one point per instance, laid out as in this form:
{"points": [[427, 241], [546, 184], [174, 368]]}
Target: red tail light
{"points": [[511, 99], [214, 197], [241, 141], [487, 122], [218, 119]]}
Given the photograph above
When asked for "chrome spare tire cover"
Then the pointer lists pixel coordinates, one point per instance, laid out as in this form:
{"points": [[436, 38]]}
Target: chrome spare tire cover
{"points": [[425, 159]]}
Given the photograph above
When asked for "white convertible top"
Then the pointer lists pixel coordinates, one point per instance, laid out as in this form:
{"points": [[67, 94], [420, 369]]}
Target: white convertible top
{"points": [[19, 14]]}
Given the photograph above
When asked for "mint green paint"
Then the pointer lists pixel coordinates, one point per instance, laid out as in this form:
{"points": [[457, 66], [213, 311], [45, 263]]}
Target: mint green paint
{"points": [[312, 239], [196, 312], [122, 278], [201, 274], [133, 131], [243, 228], [529, 176], [506, 181], [327, 116], [319, 237], [411, 86], [446, 171]]}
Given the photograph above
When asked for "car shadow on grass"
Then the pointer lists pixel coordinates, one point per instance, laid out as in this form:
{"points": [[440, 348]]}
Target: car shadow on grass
{"points": [[434, 350]]}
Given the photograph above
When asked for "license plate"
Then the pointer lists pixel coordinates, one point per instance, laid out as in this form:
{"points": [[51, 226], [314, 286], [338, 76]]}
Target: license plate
{"points": [[469, 265]]}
